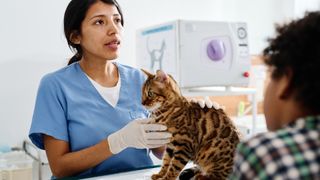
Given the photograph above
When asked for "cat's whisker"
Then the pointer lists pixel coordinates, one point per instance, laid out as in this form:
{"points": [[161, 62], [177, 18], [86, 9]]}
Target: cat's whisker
{"points": [[154, 107]]}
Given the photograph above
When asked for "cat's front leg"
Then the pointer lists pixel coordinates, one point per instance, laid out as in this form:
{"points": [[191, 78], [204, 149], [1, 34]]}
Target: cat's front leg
{"points": [[165, 164], [178, 162]]}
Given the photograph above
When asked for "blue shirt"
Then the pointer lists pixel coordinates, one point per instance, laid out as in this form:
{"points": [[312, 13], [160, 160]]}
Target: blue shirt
{"points": [[69, 108]]}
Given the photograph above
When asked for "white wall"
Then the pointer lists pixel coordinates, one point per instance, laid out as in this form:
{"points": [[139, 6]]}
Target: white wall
{"points": [[32, 42], [300, 6]]}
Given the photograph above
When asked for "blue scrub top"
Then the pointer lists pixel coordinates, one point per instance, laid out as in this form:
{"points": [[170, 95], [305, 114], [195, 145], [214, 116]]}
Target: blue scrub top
{"points": [[69, 108]]}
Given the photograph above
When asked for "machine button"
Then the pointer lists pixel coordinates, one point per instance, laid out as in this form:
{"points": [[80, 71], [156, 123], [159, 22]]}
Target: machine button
{"points": [[216, 50], [246, 74], [242, 33]]}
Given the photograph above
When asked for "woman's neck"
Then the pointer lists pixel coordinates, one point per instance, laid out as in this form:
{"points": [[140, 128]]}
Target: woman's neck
{"points": [[103, 72]]}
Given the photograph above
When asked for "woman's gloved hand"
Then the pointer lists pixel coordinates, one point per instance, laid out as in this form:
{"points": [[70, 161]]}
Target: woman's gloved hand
{"points": [[139, 134], [207, 103]]}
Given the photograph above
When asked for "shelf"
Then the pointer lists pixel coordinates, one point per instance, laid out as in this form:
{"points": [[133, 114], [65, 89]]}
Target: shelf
{"points": [[218, 91]]}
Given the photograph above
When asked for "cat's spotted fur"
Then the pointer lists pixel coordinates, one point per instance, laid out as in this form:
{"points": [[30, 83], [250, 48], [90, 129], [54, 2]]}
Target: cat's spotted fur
{"points": [[205, 136]]}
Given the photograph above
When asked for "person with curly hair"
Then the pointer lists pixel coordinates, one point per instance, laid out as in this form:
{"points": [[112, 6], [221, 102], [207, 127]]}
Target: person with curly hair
{"points": [[291, 147]]}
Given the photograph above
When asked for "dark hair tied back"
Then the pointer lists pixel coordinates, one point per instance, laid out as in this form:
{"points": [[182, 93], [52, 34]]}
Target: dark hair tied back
{"points": [[73, 17]]}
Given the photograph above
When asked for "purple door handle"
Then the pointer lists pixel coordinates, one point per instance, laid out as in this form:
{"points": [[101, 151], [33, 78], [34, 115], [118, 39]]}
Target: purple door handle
{"points": [[216, 50]]}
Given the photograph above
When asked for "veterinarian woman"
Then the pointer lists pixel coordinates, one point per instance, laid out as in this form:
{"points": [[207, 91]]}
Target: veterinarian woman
{"points": [[88, 115]]}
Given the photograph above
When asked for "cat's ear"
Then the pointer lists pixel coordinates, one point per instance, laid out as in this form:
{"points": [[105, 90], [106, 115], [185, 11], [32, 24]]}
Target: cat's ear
{"points": [[162, 76], [147, 73]]}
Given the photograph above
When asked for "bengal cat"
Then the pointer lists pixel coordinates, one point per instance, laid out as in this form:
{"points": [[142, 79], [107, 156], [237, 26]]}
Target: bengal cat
{"points": [[205, 136]]}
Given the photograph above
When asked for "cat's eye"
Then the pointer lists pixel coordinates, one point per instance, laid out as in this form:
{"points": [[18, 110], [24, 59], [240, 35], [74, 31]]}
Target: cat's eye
{"points": [[150, 93]]}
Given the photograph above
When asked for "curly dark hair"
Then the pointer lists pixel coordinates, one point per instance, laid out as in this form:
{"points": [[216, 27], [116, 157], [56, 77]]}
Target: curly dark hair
{"points": [[297, 47]]}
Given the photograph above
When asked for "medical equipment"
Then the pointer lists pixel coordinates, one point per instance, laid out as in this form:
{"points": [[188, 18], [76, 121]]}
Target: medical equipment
{"points": [[15, 165], [197, 53], [41, 169]]}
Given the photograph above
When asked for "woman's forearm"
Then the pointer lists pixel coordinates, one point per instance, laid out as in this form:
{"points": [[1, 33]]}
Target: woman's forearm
{"points": [[64, 163]]}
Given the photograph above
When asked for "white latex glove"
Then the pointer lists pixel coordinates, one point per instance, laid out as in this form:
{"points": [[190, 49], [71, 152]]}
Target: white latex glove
{"points": [[207, 103], [139, 134]]}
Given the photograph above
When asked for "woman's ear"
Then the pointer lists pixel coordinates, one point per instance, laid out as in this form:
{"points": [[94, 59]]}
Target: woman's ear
{"points": [[75, 37]]}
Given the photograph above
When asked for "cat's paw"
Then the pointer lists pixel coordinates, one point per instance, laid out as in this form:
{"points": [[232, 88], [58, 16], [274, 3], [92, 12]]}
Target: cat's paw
{"points": [[156, 177]]}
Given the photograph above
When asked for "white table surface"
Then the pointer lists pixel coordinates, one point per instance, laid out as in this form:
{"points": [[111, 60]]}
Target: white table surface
{"points": [[143, 174]]}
